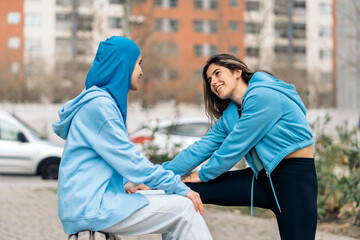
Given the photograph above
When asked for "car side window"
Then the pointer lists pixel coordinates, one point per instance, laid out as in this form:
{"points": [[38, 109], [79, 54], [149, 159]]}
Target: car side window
{"points": [[191, 130], [8, 131]]}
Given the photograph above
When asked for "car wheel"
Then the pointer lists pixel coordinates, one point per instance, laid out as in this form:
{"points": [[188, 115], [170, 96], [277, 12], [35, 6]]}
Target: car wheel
{"points": [[50, 169]]}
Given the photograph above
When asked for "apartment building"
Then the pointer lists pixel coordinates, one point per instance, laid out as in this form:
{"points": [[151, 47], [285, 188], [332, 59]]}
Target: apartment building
{"points": [[177, 37], [294, 38], [11, 50], [348, 54], [61, 38]]}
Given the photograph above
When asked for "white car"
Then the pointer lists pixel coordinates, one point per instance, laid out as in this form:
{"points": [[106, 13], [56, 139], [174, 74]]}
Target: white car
{"points": [[23, 151], [170, 135]]}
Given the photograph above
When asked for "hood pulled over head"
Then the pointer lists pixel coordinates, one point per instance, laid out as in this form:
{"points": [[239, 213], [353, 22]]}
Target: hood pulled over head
{"points": [[113, 67], [109, 76]]}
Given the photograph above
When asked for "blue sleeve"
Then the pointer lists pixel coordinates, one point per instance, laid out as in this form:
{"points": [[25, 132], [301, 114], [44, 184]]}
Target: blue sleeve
{"points": [[198, 152], [113, 145], [261, 111]]}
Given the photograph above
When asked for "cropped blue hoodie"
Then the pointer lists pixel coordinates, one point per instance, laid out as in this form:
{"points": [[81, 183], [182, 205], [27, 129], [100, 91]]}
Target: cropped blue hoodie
{"points": [[272, 120], [98, 155]]}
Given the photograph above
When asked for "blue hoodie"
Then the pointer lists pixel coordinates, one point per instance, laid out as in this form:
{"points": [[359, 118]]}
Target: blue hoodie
{"points": [[273, 121], [98, 155]]}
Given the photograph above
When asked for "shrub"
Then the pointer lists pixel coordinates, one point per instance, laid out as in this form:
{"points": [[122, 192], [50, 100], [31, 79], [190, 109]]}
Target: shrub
{"points": [[338, 171]]}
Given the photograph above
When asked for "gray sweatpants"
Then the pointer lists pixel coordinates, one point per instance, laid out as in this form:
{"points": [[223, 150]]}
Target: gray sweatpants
{"points": [[173, 216]]}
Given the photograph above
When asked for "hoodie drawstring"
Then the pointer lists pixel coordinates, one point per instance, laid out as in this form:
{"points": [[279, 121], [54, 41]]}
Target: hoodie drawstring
{"points": [[272, 187], [252, 194]]}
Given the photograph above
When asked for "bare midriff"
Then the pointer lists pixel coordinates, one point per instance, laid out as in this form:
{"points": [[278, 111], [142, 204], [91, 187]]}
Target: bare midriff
{"points": [[306, 152]]}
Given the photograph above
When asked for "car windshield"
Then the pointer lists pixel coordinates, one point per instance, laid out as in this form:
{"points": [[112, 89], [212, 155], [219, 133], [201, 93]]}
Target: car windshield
{"points": [[32, 131]]}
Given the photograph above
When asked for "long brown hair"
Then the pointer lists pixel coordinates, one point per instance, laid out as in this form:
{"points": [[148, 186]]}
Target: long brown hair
{"points": [[215, 106]]}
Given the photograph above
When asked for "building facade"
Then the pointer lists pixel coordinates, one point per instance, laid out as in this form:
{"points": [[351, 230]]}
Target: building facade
{"points": [[294, 39], [11, 51], [61, 38], [348, 54], [177, 37]]}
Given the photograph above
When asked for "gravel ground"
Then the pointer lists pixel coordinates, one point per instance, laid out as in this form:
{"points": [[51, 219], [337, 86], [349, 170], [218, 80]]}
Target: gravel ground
{"points": [[28, 210]]}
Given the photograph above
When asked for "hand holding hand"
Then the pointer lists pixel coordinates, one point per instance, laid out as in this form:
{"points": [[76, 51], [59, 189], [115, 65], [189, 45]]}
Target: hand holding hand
{"points": [[193, 178], [135, 189]]}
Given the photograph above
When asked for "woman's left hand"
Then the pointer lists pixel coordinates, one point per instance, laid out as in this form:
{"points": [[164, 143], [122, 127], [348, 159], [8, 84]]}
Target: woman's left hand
{"points": [[193, 178]]}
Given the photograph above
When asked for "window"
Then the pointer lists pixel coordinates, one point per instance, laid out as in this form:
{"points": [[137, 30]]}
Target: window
{"points": [[233, 3], [115, 22], [281, 29], [252, 51], [233, 25], [280, 7], [325, 9], [32, 44], [166, 25], [198, 50], [117, 1], [166, 3], [173, 25], [63, 2], [325, 32], [205, 50], [300, 53], [252, 28], [252, 6], [198, 26], [299, 30], [63, 21], [14, 68], [234, 50], [299, 8], [8, 131], [205, 26], [325, 54], [85, 22], [205, 4], [213, 4], [213, 50], [86, 3], [32, 19], [173, 3], [13, 42], [158, 3], [198, 4], [13, 18]]}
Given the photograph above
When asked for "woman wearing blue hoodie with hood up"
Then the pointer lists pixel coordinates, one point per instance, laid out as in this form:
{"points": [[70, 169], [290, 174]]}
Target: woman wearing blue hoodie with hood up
{"points": [[98, 158], [262, 118]]}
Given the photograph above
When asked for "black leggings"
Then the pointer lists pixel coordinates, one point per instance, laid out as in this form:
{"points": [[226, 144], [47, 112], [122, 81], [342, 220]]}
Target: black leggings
{"points": [[295, 184]]}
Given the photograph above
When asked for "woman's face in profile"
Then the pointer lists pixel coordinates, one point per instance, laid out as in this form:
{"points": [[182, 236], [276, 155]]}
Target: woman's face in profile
{"points": [[222, 81], [137, 73]]}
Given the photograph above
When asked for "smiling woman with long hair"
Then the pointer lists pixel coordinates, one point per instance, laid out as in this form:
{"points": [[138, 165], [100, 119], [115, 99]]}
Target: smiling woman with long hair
{"points": [[262, 118]]}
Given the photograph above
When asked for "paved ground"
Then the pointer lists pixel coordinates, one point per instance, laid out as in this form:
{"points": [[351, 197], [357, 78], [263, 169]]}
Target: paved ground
{"points": [[28, 210]]}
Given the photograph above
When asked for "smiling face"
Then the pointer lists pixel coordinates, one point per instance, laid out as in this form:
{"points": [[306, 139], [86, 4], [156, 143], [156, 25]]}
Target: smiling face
{"points": [[224, 83], [137, 73]]}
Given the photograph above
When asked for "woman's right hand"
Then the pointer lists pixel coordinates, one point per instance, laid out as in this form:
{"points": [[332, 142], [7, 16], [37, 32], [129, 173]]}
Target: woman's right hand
{"points": [[137, 188], [195, 198]]}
